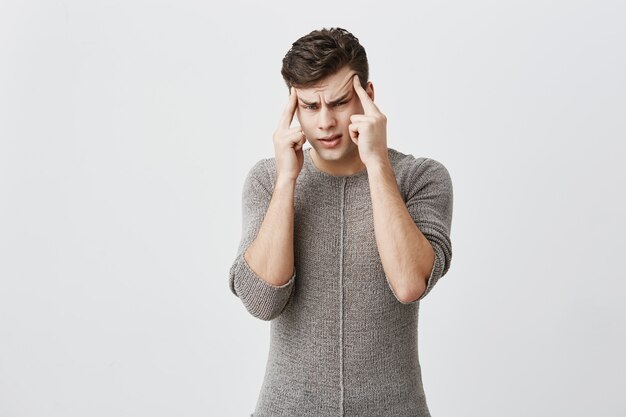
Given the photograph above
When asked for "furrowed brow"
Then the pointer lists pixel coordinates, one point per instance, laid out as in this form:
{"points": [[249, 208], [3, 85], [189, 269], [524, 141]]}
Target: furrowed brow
{"points": [[308, 103], [315, 103], [340, 99]]}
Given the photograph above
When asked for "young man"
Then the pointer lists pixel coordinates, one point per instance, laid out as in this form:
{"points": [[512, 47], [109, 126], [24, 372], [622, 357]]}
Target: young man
{"points": [[340, 242]]}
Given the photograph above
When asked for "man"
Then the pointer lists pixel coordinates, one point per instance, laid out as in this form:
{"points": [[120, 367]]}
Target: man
{"points": [[340, 242]]}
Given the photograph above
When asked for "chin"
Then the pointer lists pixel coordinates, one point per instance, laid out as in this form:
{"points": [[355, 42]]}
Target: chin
{"points": [[331, 154], [343, 151]]}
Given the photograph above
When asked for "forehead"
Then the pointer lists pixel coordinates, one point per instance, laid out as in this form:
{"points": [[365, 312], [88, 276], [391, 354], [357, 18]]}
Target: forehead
{"points": [[329, 87]]}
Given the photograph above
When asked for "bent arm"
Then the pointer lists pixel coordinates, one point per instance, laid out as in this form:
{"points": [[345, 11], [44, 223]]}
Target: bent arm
{"points": [[271, 253], [406, 255], [413, 238], [263, 273]]}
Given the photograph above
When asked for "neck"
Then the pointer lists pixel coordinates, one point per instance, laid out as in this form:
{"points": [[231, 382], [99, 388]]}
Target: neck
{"points": [[341, 167]]}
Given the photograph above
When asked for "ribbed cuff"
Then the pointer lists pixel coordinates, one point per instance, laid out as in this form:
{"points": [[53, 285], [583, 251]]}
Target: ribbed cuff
{"points": [[262, 299]]}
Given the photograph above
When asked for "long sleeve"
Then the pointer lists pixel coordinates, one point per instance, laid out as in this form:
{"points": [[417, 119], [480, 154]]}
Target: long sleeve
{"points": [[262, 299], [429, 203]]}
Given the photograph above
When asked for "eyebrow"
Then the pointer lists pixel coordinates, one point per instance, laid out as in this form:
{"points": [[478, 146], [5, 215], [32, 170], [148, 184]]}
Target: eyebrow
{"points": [[345, 96]]}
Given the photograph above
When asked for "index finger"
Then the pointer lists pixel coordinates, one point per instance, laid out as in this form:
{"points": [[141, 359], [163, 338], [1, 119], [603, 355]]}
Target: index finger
{"points": [[368, 105], [290, 109]]}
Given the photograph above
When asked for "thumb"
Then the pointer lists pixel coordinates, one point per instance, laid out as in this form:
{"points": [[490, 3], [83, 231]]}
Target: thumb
{"points": [[300, 143], [354, 133]]}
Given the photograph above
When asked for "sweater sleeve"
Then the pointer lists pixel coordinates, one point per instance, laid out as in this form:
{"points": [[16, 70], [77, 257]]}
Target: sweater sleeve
{"points": [[430, 205], [262, 299]]}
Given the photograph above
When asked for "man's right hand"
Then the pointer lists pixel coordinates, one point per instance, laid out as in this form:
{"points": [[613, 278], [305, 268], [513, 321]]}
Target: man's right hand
{"points": [[288, 142]]}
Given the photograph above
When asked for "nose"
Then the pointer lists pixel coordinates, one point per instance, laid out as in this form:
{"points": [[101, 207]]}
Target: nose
{"points": [[326, 119]]}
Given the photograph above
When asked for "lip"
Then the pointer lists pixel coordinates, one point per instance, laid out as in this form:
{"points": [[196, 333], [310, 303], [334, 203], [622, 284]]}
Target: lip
{"points": [[331, 137], [330, 141]]}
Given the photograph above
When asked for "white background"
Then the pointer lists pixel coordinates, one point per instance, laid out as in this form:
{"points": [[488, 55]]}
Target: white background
{"points": [[127, 129]]}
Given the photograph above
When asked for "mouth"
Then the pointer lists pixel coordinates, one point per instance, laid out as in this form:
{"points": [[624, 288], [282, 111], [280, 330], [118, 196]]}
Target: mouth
{"points": [[330, 141]]}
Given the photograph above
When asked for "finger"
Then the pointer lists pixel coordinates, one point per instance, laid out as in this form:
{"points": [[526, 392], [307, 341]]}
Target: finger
{"points": [[296, 136], [357, 118], [290, 109], [368, 105], [300, 144], [353, 130], [295, 129]]}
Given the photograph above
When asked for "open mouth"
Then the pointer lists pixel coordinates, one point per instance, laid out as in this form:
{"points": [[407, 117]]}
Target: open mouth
{"points": [[331, 141]]}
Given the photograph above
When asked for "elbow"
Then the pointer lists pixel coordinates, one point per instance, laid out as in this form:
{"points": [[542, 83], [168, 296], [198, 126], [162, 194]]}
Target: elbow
{"points": [[419, 283], [416, 285], [265, 315], [412, 294], [260, 309], [265, 307], [411, 290], [261, 299]]}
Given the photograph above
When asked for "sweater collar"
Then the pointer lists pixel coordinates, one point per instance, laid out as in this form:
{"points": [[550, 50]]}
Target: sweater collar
{"points": [[313, 169]]}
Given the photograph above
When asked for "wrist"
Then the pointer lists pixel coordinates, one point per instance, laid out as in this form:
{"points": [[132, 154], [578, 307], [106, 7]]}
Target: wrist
{"points": [[378, 163], [283, 181]]}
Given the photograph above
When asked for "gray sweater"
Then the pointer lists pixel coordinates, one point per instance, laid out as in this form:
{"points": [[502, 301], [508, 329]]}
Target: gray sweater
{"points": [[341, 343]]}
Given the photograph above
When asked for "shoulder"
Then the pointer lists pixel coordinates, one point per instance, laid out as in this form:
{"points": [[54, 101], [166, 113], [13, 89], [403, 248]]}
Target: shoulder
{"points": [[261, 167], [414, 173], [408, 165], [262, 173]]}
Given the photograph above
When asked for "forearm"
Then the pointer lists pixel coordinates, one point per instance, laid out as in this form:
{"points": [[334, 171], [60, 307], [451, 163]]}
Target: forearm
{"points": [[271, 254], [406, 255]]}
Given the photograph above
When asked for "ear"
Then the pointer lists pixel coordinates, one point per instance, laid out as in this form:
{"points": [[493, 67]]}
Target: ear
{"points": [[369, 89]]}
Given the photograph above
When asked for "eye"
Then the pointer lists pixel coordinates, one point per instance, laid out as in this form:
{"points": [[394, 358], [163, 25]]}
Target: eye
{"points": [[341, 103], [309, 106]]}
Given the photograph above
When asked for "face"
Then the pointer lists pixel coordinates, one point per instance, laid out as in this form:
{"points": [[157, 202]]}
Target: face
{"points": [[324, 110]]}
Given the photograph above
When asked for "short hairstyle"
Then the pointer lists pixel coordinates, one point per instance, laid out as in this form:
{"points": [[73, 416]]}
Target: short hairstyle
{"points": [[322, 53]]}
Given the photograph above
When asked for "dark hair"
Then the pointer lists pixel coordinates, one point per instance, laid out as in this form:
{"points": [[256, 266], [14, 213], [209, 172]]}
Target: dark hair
{"points": [[322, 53]]}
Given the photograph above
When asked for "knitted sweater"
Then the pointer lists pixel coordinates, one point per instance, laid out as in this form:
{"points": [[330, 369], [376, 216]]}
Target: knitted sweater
{"points": [[341, 342]]}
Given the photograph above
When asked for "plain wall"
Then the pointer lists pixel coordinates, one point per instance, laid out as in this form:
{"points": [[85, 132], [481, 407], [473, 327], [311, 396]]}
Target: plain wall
{"points": [[127, 129]]}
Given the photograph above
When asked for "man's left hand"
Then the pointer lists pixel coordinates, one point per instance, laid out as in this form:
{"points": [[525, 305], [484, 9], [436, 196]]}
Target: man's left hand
{"points": [[368, 130]]}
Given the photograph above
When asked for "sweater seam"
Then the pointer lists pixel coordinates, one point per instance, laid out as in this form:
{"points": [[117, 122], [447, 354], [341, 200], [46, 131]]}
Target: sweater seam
{"points": [[343, 197], [423, 162]]}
